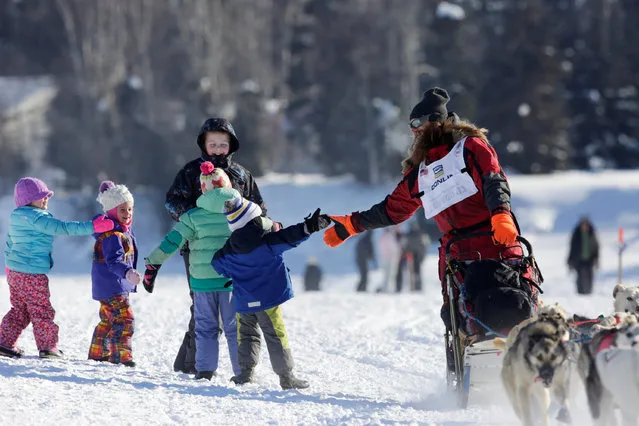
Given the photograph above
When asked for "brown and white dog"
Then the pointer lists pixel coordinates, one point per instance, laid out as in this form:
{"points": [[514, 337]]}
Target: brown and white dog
{"points": [[536, 363]]}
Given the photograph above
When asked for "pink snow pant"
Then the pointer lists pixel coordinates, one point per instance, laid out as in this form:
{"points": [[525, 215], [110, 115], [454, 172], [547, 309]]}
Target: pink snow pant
{"points": [[29, 296]]}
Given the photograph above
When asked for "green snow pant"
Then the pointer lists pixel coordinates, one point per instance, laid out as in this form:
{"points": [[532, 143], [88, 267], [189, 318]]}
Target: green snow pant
{"points": [[248, 338]]}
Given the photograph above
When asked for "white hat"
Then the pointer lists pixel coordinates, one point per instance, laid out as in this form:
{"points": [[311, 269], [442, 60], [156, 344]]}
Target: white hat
{"points": [[240, 211], [112, 195]]}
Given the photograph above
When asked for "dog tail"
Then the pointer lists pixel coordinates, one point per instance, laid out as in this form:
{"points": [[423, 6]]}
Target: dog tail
{"points": [[500, 343]]}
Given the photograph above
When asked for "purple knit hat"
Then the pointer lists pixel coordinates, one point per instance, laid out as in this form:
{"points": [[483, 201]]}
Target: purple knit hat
{"points": [[28, 190]]}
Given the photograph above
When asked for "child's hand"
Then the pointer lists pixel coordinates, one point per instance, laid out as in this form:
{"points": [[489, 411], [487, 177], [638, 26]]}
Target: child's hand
{"points": [[316, 222], [133, 276], [149, 276], [102, 224]]}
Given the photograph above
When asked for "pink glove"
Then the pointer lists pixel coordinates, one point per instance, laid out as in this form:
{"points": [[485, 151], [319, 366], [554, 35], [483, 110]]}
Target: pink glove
{"points": [[133, 276], [6, 270], [102, 224]]}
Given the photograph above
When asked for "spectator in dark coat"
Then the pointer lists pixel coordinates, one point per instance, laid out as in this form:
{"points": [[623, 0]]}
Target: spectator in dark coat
{"points": [[584, 255], [364, 253]]}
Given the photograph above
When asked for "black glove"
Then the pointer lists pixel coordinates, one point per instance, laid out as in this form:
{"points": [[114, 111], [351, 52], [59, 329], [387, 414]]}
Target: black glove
{"points": [[316, 222], [149, 276]]}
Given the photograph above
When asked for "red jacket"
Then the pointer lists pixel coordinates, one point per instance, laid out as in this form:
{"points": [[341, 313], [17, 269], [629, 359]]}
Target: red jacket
{"points": [[469, 215]]}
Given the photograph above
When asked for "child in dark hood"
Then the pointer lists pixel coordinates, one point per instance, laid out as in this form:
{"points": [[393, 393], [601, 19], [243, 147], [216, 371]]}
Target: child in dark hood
{"points": [[113, 277], [253, 259], [217, 142]]}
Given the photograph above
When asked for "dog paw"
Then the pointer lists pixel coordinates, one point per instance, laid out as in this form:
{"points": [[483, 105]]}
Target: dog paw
{"points": [[564, 415]]}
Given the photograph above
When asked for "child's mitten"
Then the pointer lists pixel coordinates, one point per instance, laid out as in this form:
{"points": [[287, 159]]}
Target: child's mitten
{"points": [[133, 276], [149, 276], [316, 222], [102, 224]]}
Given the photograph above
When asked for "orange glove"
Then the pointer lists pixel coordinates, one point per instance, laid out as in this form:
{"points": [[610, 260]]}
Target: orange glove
{"points": [[504, 229], [339, 233]]}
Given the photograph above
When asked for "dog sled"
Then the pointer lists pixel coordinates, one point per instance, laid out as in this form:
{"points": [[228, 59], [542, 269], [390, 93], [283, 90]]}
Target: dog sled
{"points": [[486, 298]]}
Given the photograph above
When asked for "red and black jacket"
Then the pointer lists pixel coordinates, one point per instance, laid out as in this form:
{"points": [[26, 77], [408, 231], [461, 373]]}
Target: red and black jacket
{"points": [[473, 213]]}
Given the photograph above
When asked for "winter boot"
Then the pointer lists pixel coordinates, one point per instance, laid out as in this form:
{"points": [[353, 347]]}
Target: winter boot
{"points": [[289, 381], [11, 353], [130, 363], [246, 376], [51, 353], [208, 375]]}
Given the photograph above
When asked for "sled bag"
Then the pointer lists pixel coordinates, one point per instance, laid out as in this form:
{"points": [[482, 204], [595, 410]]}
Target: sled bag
{"points": [[500, 296]]}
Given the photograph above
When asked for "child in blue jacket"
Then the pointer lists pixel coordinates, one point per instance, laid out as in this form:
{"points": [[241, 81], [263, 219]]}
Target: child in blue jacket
{"points": [[113, 277], [252, 259], [28, 259]]}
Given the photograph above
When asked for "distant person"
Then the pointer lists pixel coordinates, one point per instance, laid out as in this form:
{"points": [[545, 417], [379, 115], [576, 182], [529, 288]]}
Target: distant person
{"points": [[584, 255], [312, 275], [28, 259], [389, 253], [364, 254], [414, 244], [113, 277]]}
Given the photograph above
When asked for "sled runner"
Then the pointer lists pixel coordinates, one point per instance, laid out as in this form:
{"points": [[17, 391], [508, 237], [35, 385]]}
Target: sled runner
{"points": [[485, 299]]}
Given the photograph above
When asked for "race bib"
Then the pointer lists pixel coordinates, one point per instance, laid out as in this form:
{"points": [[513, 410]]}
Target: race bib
{"points": [[443, 183]]}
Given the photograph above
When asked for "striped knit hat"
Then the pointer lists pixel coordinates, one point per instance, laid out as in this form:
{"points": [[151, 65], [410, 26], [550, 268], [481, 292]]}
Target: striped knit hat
{"points": [[240, 211], [212, 177]]}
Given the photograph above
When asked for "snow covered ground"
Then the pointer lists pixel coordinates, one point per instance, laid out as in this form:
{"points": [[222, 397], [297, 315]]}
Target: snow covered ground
{"points": [[370, 358]]}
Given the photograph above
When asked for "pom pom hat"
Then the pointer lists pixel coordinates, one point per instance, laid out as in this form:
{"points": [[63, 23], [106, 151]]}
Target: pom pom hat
{"points": [[240, 211], [212, 177], [112, 195]]}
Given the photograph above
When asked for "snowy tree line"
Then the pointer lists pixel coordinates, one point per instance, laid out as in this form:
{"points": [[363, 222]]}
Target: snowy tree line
{"points": [[323, 85]]}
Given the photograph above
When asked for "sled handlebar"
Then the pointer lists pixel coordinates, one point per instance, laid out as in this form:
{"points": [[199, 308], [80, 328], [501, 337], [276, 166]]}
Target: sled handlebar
{"points": [[457, 238]]}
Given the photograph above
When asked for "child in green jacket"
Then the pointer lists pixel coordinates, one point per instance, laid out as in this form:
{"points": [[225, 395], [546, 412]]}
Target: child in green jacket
{"points": [[206, 229]]}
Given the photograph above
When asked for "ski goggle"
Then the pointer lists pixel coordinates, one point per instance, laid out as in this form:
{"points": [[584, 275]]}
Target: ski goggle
{"points": [[418, 122]]}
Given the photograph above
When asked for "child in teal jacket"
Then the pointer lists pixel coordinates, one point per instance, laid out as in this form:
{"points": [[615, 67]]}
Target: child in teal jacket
{"points": [[206, 230], [28, 259]]}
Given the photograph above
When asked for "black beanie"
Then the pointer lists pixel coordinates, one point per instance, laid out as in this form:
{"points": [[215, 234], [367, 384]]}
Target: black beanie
{"points": [[433, 103]]}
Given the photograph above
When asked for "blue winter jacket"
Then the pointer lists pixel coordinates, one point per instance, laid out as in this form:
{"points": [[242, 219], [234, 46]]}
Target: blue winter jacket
{"points": [[114, 253], [252, 259], [30, 238]]}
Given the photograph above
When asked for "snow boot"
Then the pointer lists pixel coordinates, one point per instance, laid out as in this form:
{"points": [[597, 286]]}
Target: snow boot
{"points": [[208, 375], [11, 353], [246, 376], [289, 381], [51, 353], [130, 363]]}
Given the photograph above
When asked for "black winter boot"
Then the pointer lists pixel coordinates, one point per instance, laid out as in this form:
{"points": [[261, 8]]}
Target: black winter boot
{"points": [[246, 376], [208, 375], [53, 353], [289, 381], [11, 353], [129, 363]]}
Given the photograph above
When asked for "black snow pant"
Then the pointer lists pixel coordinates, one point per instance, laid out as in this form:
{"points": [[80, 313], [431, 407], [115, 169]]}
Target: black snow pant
{"points": [[249, 340], [185, 359], [362, 265], [584, 278], [415, 274]]}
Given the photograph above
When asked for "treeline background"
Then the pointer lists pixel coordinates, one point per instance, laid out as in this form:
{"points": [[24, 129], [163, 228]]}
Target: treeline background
{"points": [[320, 86]]}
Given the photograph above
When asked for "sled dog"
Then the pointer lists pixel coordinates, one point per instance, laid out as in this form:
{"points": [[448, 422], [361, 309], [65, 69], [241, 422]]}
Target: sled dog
{"points": [[609, 366], [626, 299], [536, 363]]}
